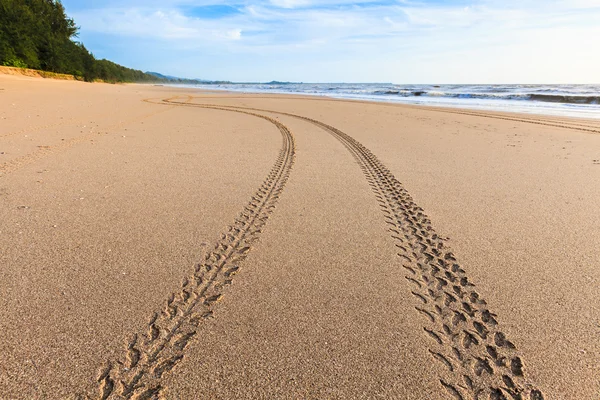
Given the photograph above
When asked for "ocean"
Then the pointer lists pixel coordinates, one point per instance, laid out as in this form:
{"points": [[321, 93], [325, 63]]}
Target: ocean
{"points": [[581, 101]]}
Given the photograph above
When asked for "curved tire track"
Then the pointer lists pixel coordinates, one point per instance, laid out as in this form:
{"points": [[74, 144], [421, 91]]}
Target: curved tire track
{"points": [[466, 339], [584, 125], [480, 362], [149, 355], [537, 121]]}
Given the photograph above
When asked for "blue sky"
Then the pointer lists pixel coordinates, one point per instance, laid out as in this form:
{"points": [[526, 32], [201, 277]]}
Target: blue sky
{"points": [[399, 41]]}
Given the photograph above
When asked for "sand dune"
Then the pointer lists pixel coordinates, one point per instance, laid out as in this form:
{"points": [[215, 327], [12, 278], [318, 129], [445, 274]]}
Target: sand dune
{"points": [[167, 243]]}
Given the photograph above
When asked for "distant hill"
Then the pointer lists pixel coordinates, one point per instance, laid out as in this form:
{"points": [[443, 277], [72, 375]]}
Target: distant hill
{"points": [[175, 79], [282, 83], [164, 77]]}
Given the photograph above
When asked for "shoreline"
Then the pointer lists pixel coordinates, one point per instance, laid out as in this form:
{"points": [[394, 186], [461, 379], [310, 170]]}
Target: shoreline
{"points": [[526, 107], [592, 123], [30, 73]]}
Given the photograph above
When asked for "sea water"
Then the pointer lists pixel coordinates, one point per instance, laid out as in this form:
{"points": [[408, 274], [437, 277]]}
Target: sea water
{"points": [[561, 100]]}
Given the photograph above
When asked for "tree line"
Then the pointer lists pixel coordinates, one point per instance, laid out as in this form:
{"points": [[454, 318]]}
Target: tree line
{"points": [[38, 34]]}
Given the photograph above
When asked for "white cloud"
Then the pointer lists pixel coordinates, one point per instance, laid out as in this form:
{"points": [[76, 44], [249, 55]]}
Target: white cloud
{"points": [[290, 3], [235, 34], [157, 24], [512, 40]]}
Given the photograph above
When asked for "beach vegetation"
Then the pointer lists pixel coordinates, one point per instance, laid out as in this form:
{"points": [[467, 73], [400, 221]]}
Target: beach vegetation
{"points": [[38, 34], [14, 62]]}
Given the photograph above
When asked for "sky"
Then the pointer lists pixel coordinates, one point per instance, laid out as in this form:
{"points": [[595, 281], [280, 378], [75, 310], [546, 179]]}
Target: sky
{"points": [[392, 41]]}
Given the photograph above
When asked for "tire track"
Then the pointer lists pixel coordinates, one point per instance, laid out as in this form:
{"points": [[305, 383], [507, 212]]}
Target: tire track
{"points": [[537, 121], [540, 120], [466, 339], [149, 355]]}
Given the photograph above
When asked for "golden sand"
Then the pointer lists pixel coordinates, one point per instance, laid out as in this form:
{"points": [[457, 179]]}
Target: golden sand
{"points": [[171, 243]]}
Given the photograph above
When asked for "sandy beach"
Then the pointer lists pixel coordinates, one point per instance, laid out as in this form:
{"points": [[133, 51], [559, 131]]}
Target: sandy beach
{"points": [[161, 242]]}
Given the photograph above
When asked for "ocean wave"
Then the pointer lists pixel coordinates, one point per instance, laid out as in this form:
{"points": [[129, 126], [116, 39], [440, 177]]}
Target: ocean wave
{"points": [[499, 95], [553, 98], [384, 92]]}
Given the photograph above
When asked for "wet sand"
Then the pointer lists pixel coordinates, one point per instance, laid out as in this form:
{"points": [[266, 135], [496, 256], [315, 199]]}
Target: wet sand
{"points": [[220, 245]]}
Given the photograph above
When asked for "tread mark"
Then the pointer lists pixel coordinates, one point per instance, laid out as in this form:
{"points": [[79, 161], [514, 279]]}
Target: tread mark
{"points": [[425, 251], [443, 360], [434, 335], [170, 331], [426, 313], [452, 390]]}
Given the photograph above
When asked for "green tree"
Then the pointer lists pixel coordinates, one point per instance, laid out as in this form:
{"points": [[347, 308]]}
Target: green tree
{"points": [[38, 34]]}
